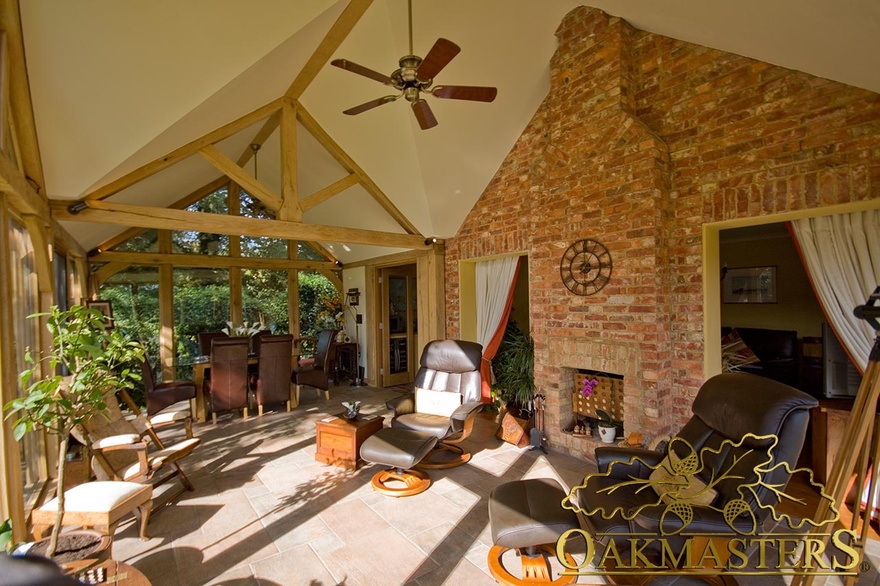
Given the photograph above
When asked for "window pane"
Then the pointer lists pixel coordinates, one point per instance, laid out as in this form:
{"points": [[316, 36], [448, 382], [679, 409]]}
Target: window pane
{"points": [[25, 300], [201, 304], [192, 242], [314, 288], [262, 247], [134, 293], [147, 241], [264, 299]]}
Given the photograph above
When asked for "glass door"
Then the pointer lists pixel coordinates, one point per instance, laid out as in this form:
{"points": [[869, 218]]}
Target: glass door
{"points": [[398, 324]]}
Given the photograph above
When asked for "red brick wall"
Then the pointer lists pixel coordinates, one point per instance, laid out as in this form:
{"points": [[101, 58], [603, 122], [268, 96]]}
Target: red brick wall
{"points": [[640, 141]]}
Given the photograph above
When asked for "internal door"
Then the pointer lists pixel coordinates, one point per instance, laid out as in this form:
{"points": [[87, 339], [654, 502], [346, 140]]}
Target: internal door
{"points": [[399, 326]]}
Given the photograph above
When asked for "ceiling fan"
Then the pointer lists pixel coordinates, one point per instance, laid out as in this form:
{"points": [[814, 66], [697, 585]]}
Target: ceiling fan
{"points": [[415, 76]]}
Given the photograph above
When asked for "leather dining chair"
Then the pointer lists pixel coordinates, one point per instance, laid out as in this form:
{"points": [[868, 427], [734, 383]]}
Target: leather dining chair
{"points": [[323, 370], [273, 371], [228, 386], [165, 394], [205, 339]]}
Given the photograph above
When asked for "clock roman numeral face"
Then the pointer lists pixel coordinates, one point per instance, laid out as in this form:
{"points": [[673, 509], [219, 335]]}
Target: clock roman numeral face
{"points": [[585, 267]]}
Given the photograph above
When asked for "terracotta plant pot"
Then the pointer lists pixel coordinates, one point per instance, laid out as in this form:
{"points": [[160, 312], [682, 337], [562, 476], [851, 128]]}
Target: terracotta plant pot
{"points": [[77, 550]]}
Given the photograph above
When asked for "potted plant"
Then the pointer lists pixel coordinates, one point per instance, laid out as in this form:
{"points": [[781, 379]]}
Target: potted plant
{"points": [[607, 427], [98, 361], [514, 368]]}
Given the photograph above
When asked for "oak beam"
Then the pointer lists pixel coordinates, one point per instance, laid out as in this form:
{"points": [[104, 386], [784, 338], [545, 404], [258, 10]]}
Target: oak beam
{"points": [[180, 204], [290, 206], [328, 45], [211, 261], [100, 276], [250, 184], [350, 165], [22, 196], [323, 195], [183, 152], [262, 136], [162, 218], [20, 93]]}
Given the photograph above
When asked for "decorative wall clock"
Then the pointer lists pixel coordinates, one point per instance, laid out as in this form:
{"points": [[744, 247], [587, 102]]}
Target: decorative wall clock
{"points": [[585, 267]]}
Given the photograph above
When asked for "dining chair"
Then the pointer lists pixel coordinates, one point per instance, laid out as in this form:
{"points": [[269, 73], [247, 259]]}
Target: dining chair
{"points": [[273, 372], [323, 370], [205, 339], [228, 386], [167, 393]]}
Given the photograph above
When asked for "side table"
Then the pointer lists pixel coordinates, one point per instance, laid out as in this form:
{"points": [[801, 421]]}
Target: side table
{"points": [[338, 440]]}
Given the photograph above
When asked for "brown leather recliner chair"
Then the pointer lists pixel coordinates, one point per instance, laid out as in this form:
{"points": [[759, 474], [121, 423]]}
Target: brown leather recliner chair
{"points": [[723, 438], [452, 366], [273, 371], [319, 374], [228, 385]]}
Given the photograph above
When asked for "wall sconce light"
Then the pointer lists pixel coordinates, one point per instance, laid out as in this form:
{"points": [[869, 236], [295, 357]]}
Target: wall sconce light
{"points": [[339, 263], [78, 207], [354, 295], [430, 241]]}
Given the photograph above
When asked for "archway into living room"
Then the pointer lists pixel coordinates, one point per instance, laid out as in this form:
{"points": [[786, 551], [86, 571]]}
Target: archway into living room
{"points": [[713, 264], [517, 294]]}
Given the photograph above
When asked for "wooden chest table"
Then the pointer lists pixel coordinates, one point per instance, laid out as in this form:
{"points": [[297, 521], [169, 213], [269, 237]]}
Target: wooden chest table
{"points": [[338, 441]]}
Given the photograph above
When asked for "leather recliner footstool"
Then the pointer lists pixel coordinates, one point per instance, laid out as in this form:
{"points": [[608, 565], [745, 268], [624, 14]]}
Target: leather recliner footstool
{"points": [[527, 515], [401, 449]]}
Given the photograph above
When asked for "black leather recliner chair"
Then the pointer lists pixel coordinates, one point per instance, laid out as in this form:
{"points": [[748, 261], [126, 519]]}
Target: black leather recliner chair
{"points": [[730, 413], [445, 365]]}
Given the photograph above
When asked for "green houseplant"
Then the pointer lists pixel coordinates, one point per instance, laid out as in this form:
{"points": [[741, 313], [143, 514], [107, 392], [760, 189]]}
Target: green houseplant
{"points": [[514, 368], [607, 426], [98, 361]]}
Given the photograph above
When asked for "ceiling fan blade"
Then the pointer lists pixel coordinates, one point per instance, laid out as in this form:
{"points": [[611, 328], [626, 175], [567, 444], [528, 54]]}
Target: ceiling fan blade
{"points": [[437, 58], [361, 70], [370, 105], [465, 92], [424, 114]]}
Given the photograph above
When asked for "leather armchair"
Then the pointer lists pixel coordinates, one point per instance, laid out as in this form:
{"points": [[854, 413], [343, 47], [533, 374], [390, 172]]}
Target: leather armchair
{"points": [[319, 374], [273, 371], [165, 394], [452, 366], [728, 407], [731, 413]]}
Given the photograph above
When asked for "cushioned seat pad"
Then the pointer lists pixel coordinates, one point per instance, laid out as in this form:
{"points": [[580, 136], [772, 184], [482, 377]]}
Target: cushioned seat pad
{"points": [[436, 425], [399, 448], [529, 512]]}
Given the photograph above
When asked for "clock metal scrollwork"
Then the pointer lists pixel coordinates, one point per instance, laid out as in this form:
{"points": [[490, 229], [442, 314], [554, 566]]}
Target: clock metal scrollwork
{"points": [[585, 267]]}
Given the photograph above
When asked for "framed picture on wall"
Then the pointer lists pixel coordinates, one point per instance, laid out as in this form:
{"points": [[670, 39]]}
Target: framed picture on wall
{"points": [[749, 285], [106, 309]]}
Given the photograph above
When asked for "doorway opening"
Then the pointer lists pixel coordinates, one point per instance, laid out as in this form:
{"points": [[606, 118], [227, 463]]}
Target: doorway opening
{"points": [[398, 325]]}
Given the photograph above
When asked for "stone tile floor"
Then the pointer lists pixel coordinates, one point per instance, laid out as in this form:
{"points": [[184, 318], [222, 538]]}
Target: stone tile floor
{"points": [[264, 512]]}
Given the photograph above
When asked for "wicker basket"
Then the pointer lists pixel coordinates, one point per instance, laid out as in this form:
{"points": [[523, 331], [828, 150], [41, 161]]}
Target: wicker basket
{"points": [[607, 396]]}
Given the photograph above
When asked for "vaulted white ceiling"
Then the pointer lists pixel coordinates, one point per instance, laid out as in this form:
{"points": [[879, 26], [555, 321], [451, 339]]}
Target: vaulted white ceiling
{"points": [[118, 84]]}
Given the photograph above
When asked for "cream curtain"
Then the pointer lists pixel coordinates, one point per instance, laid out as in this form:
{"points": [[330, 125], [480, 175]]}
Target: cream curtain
{"points": [[842, 256], [494, 279]]}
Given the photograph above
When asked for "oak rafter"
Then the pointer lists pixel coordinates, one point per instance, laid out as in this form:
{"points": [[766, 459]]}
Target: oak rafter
{"points": [[162, 218]]}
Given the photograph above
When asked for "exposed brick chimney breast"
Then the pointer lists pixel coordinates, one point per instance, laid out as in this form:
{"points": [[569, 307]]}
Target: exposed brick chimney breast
{"points": [[641, 140]]}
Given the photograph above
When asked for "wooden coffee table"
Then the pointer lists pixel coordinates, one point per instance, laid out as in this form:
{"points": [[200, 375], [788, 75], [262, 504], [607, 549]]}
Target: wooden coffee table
{"points": [[339, 440]]}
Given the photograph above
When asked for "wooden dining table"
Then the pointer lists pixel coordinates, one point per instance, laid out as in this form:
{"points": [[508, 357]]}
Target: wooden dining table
{"points": [[202, 364]]}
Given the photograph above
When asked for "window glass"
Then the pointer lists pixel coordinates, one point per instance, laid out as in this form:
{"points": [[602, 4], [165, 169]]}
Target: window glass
{"points": [[60, 267], [134, 294], [146, 241], [264, 299], [259, 246], [314, 289], [201, 304], [25, 300], [192, 242]]}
